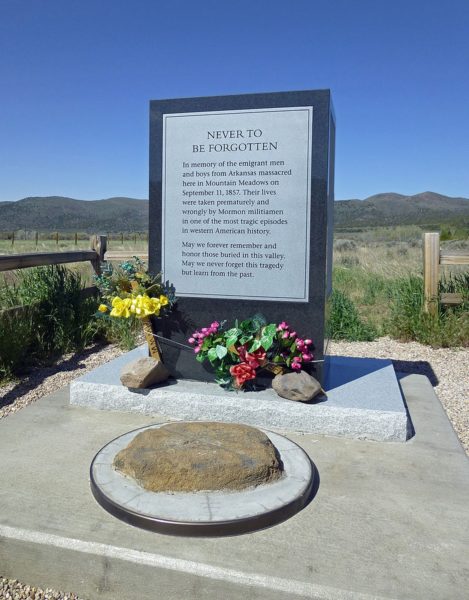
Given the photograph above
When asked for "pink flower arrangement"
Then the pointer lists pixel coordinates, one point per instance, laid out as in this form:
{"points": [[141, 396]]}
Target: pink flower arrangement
{"points": [[239, 353]]}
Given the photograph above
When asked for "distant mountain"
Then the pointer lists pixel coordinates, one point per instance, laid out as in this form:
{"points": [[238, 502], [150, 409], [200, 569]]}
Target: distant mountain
{"points": [[427, 208], [113, 215], [56, 213]]}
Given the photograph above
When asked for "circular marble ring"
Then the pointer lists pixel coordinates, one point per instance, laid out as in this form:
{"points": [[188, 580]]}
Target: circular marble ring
{"points": [[213, 513]]}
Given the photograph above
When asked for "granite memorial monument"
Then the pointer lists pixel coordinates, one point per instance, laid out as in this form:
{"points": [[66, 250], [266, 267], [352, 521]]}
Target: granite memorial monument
{"points": [[241, 214]]}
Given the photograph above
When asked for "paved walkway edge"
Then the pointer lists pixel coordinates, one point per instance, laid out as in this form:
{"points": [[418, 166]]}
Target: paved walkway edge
{"points": [[266, 585]]}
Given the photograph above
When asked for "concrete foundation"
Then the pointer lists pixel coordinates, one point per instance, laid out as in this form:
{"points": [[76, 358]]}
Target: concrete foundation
{"points": [[387, 521]]}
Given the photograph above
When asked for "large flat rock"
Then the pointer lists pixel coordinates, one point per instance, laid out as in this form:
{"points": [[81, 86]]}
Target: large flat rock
{"points": [[363, 400], [387, 521], [190, 457]]}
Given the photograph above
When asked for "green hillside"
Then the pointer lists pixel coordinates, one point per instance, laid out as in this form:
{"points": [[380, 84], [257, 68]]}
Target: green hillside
{"points": [[67, 214], [427, 208], [56, 213]]}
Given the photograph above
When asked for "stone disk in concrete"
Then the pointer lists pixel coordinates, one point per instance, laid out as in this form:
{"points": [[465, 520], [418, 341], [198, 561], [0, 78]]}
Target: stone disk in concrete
{"points": [[191, 457], [204, 513]]}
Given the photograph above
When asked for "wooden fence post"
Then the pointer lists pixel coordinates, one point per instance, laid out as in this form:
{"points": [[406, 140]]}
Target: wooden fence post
{"points": [[99, 245], [431, 271]]}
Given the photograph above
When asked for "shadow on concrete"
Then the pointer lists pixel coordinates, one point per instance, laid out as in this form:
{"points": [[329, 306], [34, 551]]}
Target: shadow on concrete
{"points": [[340, 370], [416, 367]]}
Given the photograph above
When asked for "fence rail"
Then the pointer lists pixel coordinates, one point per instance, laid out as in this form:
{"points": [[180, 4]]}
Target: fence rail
{"points": [[23, 235], [95, 255], [433, 257], [122, 255]]}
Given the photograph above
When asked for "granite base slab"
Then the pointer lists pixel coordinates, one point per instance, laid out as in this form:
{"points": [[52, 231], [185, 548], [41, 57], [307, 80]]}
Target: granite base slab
{"points": [[364, 400]]}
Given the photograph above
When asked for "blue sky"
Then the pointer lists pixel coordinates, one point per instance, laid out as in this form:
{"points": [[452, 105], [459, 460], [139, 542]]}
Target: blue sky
{"points": [[76, 77]]}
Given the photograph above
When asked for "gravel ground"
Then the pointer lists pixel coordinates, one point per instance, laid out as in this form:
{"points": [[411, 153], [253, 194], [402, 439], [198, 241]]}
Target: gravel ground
{"points": [[14, 590], [40, 382], [447, 369]]}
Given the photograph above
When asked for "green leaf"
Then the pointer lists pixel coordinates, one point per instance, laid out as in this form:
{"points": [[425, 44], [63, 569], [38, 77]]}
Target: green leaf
{"points": [[206, 344], [246, 338], [200, 357], [221, 351], [270, 330], [266, 341], [231, 341], [252, 325], [255, 345], [212, 354]]}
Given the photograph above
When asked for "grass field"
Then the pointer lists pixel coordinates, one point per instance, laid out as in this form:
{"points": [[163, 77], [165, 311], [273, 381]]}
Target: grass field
{"points": [[29, 245], [378, 269]]}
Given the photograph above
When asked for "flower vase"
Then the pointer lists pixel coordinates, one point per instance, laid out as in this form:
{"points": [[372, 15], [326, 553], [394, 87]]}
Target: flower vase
{"points": [[275, 369]]}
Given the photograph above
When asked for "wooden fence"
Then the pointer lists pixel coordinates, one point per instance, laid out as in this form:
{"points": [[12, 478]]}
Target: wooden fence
{"points": [[95, 256], [433, 257], [13, 237]]}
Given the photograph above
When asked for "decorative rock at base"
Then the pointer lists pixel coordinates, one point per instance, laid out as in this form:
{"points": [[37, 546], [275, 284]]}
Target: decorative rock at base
{"points": [[190, 457], [300, 386], [143, 373]]}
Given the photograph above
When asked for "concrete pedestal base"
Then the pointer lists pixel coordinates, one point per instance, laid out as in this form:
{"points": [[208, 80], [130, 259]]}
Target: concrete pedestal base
{"points": [[387, 521], [364, 400]]}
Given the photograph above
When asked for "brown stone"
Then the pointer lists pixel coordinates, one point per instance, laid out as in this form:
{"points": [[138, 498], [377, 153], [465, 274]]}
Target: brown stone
{"points": [[143, 373], [299, 386], [189, 457]]}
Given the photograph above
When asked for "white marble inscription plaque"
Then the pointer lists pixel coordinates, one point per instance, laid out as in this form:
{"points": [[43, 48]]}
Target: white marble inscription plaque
{"points": [[236, 203]]}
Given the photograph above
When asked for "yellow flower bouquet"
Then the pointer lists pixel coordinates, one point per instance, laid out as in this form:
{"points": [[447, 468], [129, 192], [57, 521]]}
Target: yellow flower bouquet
{"points": [[140, 305], [129, 291]]}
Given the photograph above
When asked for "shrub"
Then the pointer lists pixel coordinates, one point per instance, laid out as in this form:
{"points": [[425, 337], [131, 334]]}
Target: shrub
{"points": [[62, 318], [408, 321], [54, 317], [344, 245], [126, 333], [16, 336], [349, 261], [344, 322]]}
